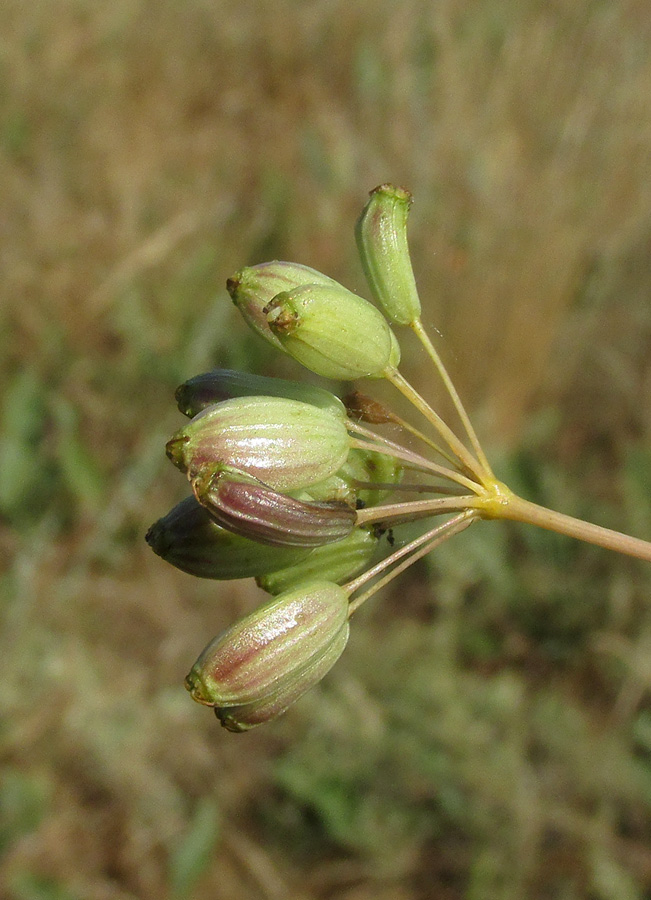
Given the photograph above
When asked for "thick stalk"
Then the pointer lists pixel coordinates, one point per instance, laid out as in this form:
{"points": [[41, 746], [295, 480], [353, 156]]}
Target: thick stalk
{"points": [[506, 505]]}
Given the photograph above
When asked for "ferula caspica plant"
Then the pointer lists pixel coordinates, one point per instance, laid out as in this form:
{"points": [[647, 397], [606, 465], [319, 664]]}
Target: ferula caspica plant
{"points": [[292, 487]]}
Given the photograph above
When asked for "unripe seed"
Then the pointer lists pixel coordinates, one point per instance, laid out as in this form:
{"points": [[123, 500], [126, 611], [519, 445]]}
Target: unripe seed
{"points": [[209, 388], [269, 649], [335, 562], [332, 331], [250, 715], [376, 468], [255, 511], [381, 233], [188, 538], [366, 409], [286, 444], [360, 466], [253, 287], [333, 488]]}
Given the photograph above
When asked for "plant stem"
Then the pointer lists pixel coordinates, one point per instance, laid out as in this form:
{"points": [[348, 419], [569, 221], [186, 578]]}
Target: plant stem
{"points": [[506, 505]]}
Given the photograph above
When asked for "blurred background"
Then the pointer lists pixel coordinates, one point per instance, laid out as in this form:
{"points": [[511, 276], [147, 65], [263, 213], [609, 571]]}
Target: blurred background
{"points": [[487, 734]]}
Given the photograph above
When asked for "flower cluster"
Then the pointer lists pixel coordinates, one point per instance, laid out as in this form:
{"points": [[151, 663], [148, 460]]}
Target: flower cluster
{"points": [[290, 485]]}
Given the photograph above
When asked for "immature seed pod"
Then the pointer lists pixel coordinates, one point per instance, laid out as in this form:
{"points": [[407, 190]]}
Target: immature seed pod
{"points": [[332, 331], [335, 562], [250, 715], [367, 466], [253, 510], [286, 444], [209, 388], [361, 467], [332, 489], [381, 233], [253, 287], [268, 650], [366, 409], [190, 539]]}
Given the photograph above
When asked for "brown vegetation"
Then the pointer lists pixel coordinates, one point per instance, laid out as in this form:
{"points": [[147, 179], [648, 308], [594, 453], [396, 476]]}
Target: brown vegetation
{"points": [[486, 735]]}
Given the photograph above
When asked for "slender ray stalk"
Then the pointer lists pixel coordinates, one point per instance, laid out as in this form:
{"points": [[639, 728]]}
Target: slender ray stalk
{"points": [[411, 429], [424, 338], [380, 444], [416, 509], [366, 409], [402, 487], [409, 554], [460, 450]]}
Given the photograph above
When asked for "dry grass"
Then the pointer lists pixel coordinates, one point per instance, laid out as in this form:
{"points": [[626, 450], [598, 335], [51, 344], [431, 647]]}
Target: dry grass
{"points": [[490, 739]]}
